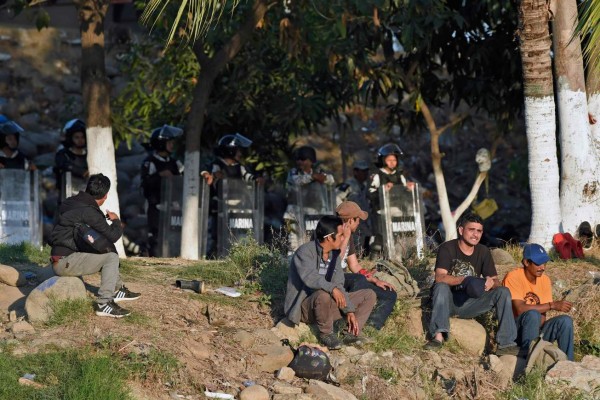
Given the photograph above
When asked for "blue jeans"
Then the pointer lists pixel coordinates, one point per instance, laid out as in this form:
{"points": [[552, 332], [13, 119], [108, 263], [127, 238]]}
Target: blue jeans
{"points": [[559, 329], [386, 299], [447, 303]]}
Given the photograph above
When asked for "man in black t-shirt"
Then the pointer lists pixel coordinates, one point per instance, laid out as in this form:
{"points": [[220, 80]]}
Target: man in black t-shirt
{"points": [[456, 295]]}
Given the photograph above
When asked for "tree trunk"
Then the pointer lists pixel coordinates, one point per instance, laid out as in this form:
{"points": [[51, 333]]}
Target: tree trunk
{"points": [[580, 177], [210, 67], [539, 120], [96, 99]]}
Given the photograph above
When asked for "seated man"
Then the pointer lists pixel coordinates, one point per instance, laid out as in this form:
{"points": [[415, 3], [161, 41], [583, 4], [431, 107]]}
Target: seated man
{"points": [[449, 297], [315, 288], [68, 260], [531, 292], [357, 278]]}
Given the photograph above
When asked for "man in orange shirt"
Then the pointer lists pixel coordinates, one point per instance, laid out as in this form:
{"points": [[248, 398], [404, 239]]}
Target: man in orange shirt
{"points": [[531, 293]]}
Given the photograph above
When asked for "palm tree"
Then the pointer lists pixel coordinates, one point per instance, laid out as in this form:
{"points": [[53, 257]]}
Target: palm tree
{"points": [[540, 123]]}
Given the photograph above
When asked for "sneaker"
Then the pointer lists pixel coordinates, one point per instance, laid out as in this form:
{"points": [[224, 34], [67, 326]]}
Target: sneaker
{"points": [[350, 339], [433, 344], [125, 294], [331, 341], [110, 309], [513, 350]]}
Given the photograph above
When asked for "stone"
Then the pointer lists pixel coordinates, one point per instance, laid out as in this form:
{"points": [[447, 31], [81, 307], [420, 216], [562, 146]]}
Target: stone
{"points": [[270, 358], [286, 374], [22, 327], [244, 338], [198, 350], [584, 375], [37, 304], [469, 334], [301, 396], [325, 391], [502, 257], [414, 323], [285, 388], [71, 84], [285, 329], [254, 392], [12, 316], [11, 276]]}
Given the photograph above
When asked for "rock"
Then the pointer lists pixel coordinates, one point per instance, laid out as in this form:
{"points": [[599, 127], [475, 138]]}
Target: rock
{"points": [[12, 316], [286, 374], [302, 396], [254, 392], [272, 357], [245, 339], [324, 391], [285, 329], [414, 323], [27, 147], [71, 84], [367, 359], [11, 276], [469, 334], [285, 388], [266, 336], [22, 327], [57, 288], [502, 257], [584, 376], [198, 350]]}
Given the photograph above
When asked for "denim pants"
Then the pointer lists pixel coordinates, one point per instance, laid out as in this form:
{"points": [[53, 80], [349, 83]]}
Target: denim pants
{"points": [[559, 329], [386, 299], [447, 303]]}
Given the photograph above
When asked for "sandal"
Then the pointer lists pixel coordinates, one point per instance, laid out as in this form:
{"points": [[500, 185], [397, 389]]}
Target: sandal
{"points": [[433, 344]]}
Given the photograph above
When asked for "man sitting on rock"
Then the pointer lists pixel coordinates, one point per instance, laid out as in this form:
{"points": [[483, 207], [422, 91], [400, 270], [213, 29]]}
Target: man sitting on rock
{"points": [[69, 260], [460, 291], [315, 289], [531, 292], [357, 278]]}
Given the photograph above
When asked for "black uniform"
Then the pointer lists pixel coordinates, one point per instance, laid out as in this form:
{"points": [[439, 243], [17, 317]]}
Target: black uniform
{"points": [[67, 161]]}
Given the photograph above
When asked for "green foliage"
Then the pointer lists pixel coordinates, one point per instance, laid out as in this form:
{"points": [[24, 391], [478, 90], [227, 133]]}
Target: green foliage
{"points": [[66, 375], [212, 272], [152, 365], [24, 253], [394, 335], [533, 387], [68, 311]]}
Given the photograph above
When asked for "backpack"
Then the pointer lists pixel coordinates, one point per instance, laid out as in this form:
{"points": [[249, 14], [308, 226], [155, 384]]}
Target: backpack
{"points": [[310, 363], [397, 275], [88, 240]]}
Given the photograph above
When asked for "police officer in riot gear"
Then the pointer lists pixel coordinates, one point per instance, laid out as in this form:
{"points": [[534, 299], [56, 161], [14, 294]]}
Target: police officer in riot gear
{"points": [[10, 157], [72, 157], [155, 167]]}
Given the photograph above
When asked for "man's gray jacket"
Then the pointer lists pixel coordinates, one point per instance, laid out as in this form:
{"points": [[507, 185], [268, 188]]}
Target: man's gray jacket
{"points": [[304, 279]]}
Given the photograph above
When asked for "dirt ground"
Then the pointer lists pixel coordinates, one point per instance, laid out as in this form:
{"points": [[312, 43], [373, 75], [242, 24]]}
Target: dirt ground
{"points": [[176, 322]]}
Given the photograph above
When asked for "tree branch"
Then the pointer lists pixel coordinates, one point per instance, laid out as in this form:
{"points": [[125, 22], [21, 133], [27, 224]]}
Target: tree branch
{"points": [[470, 197]]}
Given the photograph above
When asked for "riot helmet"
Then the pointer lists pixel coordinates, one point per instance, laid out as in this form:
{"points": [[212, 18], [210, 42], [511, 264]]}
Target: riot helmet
{"points": [[388, 150], [72, 127], [8, 127], [160, 136], [306, 153], [228, 145]]}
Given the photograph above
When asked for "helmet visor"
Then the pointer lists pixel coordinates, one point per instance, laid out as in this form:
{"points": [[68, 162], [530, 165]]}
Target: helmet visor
{"points": [[10, 128], [168, 132]]}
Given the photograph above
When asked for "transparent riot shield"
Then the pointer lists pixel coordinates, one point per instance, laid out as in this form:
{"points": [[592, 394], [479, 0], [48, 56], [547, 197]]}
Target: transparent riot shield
{"points": [[171, 211], [313, 201], [401, 222], [71, 185], [20, 207], [240, 213]]}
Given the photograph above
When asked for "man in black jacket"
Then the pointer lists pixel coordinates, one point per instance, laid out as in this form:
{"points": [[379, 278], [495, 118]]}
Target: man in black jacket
{"points": [[68, 260]]}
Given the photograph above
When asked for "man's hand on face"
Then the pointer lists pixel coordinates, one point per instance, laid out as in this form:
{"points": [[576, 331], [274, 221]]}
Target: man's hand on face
{"points": [[352, 324], [339, 298]]}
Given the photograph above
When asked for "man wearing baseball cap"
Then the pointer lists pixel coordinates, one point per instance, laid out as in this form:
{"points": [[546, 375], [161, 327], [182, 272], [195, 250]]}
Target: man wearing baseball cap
{"points": [[357, 278], [531, 293]]}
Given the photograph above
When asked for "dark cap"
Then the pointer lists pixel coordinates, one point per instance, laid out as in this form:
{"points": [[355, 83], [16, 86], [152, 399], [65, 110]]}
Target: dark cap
{"points": [[535, 253], [475, 287]]}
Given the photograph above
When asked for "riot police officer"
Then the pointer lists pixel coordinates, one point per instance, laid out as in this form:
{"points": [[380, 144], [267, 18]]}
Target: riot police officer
{"points": [[72, 157], [10, 157], [158, 165]]}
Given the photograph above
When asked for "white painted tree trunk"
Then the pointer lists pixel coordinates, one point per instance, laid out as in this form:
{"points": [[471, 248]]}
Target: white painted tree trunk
{"points": [[543, 169], [101, 159], [580, 176], [191, 194]]}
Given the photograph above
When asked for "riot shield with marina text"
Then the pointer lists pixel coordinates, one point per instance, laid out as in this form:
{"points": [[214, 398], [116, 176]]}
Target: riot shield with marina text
{"points": [[240, 213], [312, 201], [401, 222], [20, 207], [170, 222]]}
